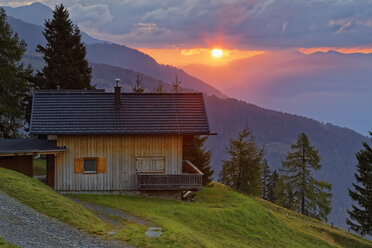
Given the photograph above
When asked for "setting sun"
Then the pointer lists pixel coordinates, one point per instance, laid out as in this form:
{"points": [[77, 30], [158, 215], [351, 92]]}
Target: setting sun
{"points": [[217, 53]]}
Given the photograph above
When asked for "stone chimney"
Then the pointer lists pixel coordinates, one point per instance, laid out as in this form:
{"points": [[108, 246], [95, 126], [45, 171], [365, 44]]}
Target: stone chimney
{"points": [[117, 93]]}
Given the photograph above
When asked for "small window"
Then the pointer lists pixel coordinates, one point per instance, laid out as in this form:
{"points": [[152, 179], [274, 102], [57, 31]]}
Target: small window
{"points": [[150, 164], [90, 165]]}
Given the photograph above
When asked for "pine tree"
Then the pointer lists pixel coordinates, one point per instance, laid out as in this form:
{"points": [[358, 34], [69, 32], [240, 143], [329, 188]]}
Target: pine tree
{"points": [[242, 171], [273, 180], [138, 88], [283, 194], [176, 85], [309, 197], [200, 157], [265, 178], [362, 212], [64, 54], [15, 81]]}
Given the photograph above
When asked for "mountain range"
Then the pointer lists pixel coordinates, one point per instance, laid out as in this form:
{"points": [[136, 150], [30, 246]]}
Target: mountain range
{"points": [[101, 52], [327, 86], [274, 130]]}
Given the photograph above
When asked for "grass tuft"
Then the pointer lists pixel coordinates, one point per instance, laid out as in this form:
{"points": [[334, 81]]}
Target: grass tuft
{"points": [[4, 244]]}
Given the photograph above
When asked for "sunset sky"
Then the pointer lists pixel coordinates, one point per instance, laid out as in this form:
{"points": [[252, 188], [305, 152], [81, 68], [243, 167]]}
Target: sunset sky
{"points": [[184, 32]]}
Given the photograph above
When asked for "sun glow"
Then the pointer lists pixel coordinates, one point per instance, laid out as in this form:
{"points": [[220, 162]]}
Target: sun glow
{"points": [[217, 53]]}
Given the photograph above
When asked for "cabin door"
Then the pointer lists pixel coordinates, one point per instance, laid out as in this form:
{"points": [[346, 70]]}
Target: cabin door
{"points": [[50, 168]]}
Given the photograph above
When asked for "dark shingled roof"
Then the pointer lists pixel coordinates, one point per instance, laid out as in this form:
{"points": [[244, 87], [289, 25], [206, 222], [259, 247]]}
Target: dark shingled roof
{"points": [[28, 145], [93, 112]]}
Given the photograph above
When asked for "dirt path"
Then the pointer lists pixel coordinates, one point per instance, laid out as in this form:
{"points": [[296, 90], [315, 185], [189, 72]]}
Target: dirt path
{"points": [[116, 217], [25, 227]]}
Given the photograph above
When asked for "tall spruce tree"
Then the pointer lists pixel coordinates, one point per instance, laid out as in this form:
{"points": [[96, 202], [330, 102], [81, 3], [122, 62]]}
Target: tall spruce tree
{"points": [[64, 54], [242, 171], [362, 194], [200, 157], [309, 196], [15, 81]]}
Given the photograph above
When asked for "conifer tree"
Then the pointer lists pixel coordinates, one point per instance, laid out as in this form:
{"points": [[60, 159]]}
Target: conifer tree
{"points": [[265, 178], [242, 171], [64, 54], [283, 194], [138, 88], [15, 81], [200, 157], [273, 180], [361, 214], [309, 196]]}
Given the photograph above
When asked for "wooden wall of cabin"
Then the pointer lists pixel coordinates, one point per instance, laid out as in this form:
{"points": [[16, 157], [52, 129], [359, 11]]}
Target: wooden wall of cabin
{"points": [[120, 152], [22, 164], [188, 143]]}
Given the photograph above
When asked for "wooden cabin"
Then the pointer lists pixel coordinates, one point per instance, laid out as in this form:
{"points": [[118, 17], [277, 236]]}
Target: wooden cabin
{"points": [[120, 141]]}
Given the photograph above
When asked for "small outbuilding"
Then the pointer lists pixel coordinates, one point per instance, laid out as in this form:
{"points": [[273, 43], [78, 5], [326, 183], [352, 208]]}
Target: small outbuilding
{"points": [[18, 154]]}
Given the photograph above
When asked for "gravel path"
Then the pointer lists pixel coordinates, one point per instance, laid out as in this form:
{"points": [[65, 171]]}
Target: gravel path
{"points": [[106, 214], [25, 227]]}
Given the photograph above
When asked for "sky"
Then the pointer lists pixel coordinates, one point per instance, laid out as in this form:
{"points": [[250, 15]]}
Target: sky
{"points": [[187, 30]]}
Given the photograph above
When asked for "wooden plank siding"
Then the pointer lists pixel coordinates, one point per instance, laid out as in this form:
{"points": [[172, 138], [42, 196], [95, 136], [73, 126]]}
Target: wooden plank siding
{"points": [[21, 164], [120, 152]]}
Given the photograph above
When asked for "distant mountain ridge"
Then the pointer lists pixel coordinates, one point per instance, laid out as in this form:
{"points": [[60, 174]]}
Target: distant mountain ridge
{"points": [[102, 52], [328, 86], [31, 18]]}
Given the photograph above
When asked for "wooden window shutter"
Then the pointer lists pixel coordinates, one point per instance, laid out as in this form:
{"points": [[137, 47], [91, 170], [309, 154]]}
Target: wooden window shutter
{"points": [[101, 165], [78, 165]]}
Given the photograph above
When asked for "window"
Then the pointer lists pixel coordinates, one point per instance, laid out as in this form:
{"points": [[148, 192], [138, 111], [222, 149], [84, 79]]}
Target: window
{"points": [[90, 165], [150, 164]]}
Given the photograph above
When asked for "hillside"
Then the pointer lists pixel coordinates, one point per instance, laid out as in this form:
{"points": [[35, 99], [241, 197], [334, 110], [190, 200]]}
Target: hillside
{"points": [[218, 218], [128, 58], [276, 131], [223, 218]]}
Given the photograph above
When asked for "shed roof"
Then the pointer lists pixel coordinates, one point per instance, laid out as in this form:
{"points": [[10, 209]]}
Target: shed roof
{"points": [[26, 146], [93, 112]]}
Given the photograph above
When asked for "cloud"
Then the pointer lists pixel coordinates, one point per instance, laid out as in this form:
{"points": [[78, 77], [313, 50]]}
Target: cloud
{"points": [[92, 15], [243, 24]]}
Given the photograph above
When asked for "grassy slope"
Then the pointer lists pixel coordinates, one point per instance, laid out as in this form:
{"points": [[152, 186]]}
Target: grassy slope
{"points": [[223, 218], [218, 218], [33, 193]]}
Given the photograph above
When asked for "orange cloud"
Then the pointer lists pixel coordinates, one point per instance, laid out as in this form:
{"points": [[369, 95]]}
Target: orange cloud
{"points": [[341, 50], [181, 57]]}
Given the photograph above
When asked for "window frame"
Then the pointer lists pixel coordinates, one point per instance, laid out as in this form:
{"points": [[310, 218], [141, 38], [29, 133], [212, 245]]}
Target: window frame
{"points": [[151, 158], [90, 158]]}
